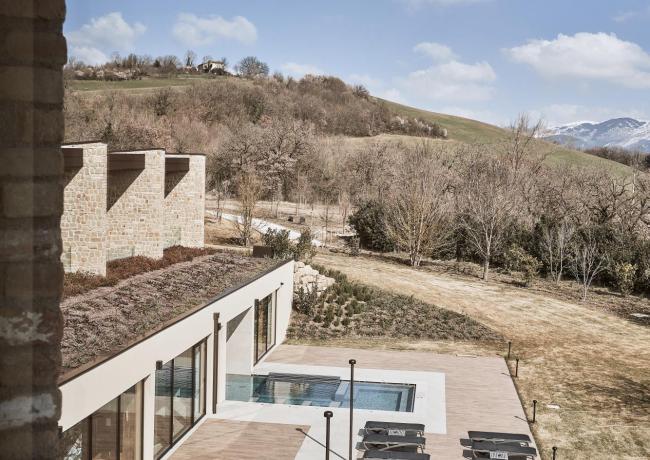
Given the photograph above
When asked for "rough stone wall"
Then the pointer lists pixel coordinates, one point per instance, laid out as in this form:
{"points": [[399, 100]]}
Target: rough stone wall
{"points": [[32, 52], [307, 279], [185, 205], [83, 223], [135, 215]]}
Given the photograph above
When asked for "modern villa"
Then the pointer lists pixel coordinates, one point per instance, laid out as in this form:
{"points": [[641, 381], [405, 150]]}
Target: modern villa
{"points": [[188, 361]]}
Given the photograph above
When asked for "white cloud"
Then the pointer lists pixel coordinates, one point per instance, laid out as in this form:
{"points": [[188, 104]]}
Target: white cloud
{"points": [[103, 35], [562, 114], [632, 14], [435, 51], [300, 70], [451, 80], [596, 56], [88, 55], [109, 32], [192, 30]]}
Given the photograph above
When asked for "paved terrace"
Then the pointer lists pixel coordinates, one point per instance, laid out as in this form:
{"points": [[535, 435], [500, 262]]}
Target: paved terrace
{"points": [[478, 394]]}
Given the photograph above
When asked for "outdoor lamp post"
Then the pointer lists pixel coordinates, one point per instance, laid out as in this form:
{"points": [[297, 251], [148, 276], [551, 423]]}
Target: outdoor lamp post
{"points": [[352, 363], [534, 410], [328, 415], [554, 450]]}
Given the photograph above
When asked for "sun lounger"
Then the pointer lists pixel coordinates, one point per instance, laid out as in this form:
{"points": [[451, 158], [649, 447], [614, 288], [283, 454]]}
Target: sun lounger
{"points": [[487, 449], [392, 455], [498, 437], [390, 442], [394, 428]]}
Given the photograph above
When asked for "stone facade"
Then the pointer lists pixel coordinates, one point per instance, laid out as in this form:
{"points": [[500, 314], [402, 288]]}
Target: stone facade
{"points": [[124, 204], [83, 223], [185, 204], [33, 52], [307, 278], [135, 213]]}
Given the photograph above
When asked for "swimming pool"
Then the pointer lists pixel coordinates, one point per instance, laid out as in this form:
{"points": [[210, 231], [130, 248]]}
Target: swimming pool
{"points": [[322, 391]]}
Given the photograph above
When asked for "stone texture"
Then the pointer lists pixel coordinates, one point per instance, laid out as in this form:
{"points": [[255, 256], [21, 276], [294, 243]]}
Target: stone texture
{"points": [[84, 223], [31, 131], [185, 205], [308, 279], [135, 209]]}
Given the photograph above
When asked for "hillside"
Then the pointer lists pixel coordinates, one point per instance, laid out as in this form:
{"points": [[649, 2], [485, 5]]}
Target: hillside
{"points": [[459, 129]]}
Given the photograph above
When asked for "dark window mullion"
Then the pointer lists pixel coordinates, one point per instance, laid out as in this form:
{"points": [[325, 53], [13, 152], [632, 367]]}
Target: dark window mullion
{"points": [[119, 427], [90, 437], [193, 384], [171, 405]]}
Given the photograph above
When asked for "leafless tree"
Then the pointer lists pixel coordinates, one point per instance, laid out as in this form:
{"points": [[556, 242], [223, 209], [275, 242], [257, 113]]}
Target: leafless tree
{"points": [[588, 259], [555, 242], [249, 189], [190, 58], [486, 202], [418, 204]]}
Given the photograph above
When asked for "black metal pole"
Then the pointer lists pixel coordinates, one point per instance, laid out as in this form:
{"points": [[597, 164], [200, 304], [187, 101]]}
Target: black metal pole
{"points": [[352, 363], [554, 450], [328, 415], [516, 367], [509, 347], [534, 410]]}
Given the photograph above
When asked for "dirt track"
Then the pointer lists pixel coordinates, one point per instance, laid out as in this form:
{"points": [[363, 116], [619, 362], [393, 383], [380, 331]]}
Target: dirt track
{"points": [[595, 365]]}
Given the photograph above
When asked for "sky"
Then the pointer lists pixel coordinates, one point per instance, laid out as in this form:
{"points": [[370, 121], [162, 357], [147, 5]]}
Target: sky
{"points": [[490, 60]]}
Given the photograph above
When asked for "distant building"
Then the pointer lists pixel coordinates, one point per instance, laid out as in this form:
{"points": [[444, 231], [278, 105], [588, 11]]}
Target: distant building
{"points": [[210, 66]]}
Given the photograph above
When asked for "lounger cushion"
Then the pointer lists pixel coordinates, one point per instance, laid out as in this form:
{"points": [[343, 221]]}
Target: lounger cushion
{"points": [[486, 446], [494, 436], [390, 439], [383, 427], [381, 454]]}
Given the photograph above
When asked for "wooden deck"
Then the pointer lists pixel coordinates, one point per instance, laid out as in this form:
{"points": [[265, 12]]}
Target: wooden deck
{"points": [[479, 395], [233, 440]]}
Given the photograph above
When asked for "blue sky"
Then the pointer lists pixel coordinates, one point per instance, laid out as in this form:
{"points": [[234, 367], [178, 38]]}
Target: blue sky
{"points": [[563, 61]]}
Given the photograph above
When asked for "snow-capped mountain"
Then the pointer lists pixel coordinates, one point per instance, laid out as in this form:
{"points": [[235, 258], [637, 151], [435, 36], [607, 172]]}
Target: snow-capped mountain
{"points": [[627, 133]]}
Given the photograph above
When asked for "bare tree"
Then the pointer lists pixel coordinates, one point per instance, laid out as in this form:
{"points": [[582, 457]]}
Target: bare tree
{"points": [[555, 245], [252, 67], [486, 203], [249, 188], [588, 259], [417, 214], [190, 58]]}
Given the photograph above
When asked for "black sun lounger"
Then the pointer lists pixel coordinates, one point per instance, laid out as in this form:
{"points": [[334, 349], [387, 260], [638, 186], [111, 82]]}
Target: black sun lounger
{"points": [[394, 428], [389, 442], [382, 454], [498, 437], [486, 449]]}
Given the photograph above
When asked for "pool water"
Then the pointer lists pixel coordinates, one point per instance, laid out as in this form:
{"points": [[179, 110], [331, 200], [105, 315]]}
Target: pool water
{"points": [[322, 392]]}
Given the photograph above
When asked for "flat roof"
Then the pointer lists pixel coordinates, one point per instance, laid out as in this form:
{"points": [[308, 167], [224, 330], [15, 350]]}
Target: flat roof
{"points": [[102, 323]]}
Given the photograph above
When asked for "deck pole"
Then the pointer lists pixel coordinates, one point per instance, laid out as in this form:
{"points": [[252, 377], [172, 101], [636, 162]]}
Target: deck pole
{"points": [[509, 347], [534, 410], [352, 363], [554, 450], [516, 367], [328, 415]]}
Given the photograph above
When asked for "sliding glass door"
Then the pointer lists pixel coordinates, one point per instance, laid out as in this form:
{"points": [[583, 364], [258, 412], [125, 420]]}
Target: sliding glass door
{"points": [[264, 326], [113, 432], [180, 396]]}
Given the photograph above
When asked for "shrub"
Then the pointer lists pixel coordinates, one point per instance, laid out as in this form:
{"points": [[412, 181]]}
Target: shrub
{"points": [[305, 301], [345, 322], [279, 241], [304, 249], [353, 244], [368, 221], [516, 258], [624, 273]]}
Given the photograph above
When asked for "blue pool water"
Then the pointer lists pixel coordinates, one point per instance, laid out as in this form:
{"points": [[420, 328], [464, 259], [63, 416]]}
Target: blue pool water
{"points": [[323, 392]]}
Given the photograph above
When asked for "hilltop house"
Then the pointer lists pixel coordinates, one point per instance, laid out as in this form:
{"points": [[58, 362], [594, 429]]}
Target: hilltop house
{"points": [[210, 66]]}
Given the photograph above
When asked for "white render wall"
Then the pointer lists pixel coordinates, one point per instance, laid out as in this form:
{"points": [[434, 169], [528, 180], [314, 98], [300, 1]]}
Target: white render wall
{"points": [[91, 390]]}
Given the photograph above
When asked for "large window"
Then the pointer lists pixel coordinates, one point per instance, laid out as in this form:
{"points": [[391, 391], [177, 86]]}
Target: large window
{"points": [[112, 432], [180, 396], [264, 326]]}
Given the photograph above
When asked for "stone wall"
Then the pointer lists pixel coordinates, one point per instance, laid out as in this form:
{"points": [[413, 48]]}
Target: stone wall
{"points": [[32, 53], [83, 223], [135, 215], [185, 204], [307, 278]]}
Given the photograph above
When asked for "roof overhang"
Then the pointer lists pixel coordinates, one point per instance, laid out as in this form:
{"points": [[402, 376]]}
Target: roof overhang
{"points": [[73, 158], [177, 163], [126, 161]]}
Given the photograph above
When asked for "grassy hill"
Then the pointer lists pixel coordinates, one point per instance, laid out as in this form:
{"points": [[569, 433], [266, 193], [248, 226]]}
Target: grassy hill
{"points": [[459, 129]]}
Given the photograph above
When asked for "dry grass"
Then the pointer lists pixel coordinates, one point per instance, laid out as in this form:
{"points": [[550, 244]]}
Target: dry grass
{"points": [[589, 361], [116, 270]]}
